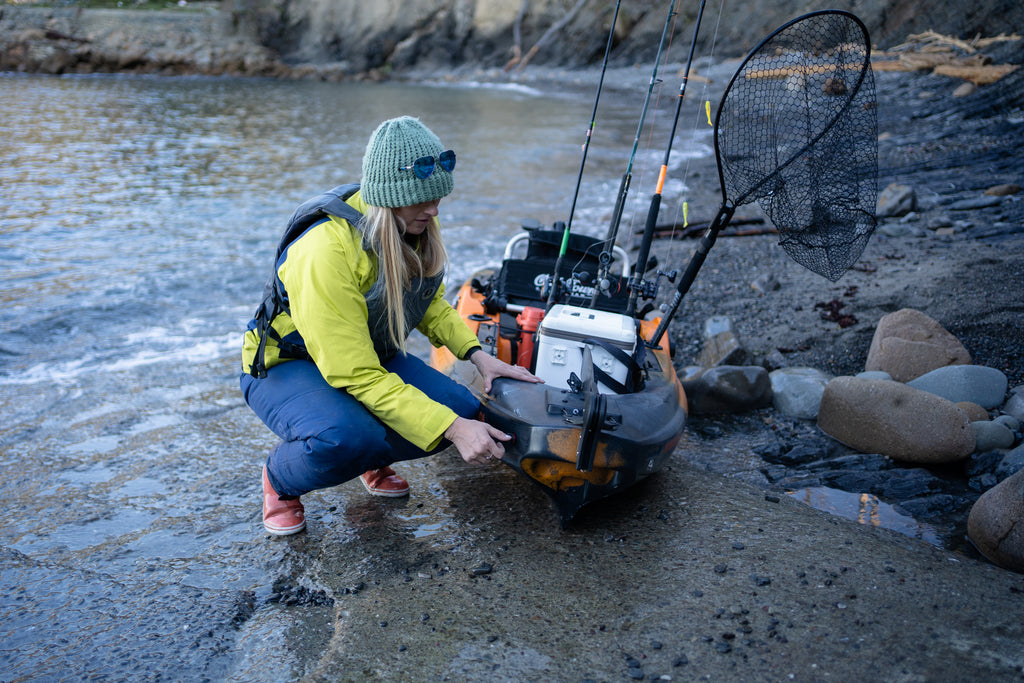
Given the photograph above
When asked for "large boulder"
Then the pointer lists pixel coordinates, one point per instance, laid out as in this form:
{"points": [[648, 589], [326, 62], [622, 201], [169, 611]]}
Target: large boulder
{"points": [[996, 523], [887, 417], [908, 344]]}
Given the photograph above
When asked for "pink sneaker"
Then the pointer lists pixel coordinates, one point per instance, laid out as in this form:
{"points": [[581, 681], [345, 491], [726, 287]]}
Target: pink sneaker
{"points": [[384, 482], [281, 517]]}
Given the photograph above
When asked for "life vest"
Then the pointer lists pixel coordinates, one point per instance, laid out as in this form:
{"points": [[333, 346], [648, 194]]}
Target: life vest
{"points": [[416, 299]]}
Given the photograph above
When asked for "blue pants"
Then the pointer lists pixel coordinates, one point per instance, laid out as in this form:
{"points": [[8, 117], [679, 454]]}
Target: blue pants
{"points": [[327, 436]]}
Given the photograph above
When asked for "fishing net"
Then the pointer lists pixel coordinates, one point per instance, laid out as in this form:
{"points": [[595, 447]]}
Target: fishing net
{"points": [[797, 132]]}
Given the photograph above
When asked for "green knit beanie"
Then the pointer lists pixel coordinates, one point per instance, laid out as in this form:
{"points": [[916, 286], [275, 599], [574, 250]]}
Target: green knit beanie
{"points": [[395, 144]]}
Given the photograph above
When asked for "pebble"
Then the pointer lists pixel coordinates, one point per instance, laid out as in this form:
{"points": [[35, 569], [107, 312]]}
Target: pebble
{"points": [[873, 374], [974, 383], [765, 283], [1014, 406], [896, 200], [1010, 421], [989, 436], [796, 392], [1003, 190], [722, 349], [975, 203], [482, 569]]}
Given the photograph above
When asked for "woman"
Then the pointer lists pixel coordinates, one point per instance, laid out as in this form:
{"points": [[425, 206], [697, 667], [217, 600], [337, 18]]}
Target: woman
{"points": [[332, 379]]}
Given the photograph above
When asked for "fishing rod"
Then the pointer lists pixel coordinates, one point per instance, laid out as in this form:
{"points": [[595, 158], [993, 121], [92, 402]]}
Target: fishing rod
{"points": [[637, 283], [605, 259], [553, 289]]}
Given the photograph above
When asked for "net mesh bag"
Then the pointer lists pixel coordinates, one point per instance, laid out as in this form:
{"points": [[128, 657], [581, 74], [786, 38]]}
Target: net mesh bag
{"points": [[797, 132]]}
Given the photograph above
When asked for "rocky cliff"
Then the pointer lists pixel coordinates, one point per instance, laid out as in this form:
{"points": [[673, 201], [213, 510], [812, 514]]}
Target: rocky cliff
{"points": [[349, 38], [403, 33]]}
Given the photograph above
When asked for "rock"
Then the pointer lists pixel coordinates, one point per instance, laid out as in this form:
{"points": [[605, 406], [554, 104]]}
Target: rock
{"points": [[973, 383], [776, 360], [896, 200], [766, 283], [975, 203], [729, 389], [1010, 421], [974, 412], [907, 344], [717, 324], [938, 222], [996, 523], [1003, 190], [880, 416], [722, 349], [1014, 406], [965, 89], [796, 392], [1010, 464], [928, 506], [989, 436], [873, 374], [982, 463]]}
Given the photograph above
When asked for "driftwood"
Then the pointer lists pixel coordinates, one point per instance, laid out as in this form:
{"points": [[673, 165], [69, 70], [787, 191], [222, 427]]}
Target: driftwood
{"points": [[520, 63], [691, 230], [517, 36], [945, 56]]}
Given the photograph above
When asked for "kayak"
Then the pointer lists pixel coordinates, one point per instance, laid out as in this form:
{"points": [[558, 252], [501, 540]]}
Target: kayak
{"points": [[611, 410]]}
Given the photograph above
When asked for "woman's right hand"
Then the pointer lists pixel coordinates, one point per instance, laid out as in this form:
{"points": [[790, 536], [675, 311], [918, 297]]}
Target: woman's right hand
{"points": [[477, 441]]}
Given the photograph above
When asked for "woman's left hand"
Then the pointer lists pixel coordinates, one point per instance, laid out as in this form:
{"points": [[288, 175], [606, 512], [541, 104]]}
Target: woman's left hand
{"points": [[490, 367]]}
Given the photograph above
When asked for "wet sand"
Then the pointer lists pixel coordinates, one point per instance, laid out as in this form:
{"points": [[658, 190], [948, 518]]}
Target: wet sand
{"points": [[689, 575]]}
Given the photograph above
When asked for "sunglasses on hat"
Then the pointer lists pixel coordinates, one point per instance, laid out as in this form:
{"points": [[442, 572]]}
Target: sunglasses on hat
{"points": [[424, 167]]}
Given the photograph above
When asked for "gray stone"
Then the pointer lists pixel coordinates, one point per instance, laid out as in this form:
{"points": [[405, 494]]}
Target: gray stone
{"points": [[988, 436], [940, 221], [1011, 463], [1015, 406], [765, 283], [873, 374], [974, 383], [728, 389], [722, 349], [895, 229], [1010, 421], [776, 360], [881, 416], [896, 200], [796, 392], [907, 344], [717, 324], [975, 203], [996, 523]]}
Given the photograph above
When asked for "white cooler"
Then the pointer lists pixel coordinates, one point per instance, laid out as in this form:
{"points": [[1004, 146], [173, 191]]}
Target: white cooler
{"points": [[560, 344]]}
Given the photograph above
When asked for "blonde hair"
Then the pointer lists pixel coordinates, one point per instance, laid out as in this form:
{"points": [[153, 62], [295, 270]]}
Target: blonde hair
{"points": [[399, 261]]}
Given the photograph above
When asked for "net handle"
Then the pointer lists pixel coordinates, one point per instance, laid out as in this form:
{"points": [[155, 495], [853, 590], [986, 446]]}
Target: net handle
{"points": [[750, 55]]}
